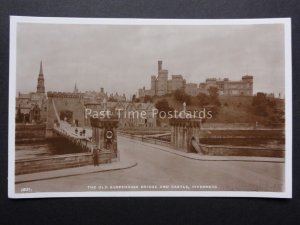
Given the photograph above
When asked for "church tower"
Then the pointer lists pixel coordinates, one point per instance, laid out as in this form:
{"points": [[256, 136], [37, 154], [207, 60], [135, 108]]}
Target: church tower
{"points": [[40, 85]]}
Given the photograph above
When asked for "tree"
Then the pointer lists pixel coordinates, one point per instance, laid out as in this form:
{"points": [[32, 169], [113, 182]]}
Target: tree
{"points": [[163, 105], [181, 96], [133, 98], [202, 99], [148, 98], [260, 110], [187, 99], [260, 98], [272, 104], [213, 93], [259, 104]]}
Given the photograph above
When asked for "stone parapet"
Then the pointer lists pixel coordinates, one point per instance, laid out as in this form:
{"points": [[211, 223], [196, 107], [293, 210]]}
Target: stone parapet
{"points": [[185, 122], [47, 163], [105, 122], [24, 132], [221, 150]]}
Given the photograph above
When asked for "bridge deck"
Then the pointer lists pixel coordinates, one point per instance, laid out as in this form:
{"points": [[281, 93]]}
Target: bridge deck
{"points": [[68, 131]]}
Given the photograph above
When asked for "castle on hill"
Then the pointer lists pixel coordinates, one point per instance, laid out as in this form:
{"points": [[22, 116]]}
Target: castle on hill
{"points": [[162, 85]]}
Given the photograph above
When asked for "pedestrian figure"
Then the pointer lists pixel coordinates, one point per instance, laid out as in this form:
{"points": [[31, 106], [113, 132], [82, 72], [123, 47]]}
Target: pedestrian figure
{"points": [[95, 157]]}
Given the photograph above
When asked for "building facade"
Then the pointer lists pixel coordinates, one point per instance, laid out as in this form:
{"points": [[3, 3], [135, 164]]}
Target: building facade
{"points": [[161, 84], [226, 87]]}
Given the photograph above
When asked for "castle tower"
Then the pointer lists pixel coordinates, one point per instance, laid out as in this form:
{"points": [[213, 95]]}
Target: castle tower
{"points": [[153, 85], [159, 64], [40, 84], [248, 80], [162, 80]]}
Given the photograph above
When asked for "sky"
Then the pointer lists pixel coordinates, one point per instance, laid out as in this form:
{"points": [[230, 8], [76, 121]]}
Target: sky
{"points": [[121, 58]]}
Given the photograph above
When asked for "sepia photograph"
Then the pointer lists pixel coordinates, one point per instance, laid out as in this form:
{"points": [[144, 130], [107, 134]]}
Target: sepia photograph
{"points": [[150, 107]]}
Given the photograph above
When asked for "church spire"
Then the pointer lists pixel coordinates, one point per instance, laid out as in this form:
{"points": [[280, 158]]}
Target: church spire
{"points": [[75, 88], [41, 67], [40, 84]]}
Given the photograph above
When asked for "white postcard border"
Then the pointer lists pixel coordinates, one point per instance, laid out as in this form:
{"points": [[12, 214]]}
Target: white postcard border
{"points": [[14, 20]]}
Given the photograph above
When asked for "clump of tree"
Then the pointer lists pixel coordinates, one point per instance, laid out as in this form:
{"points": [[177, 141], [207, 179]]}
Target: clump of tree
{"points": [[181, 96], [163, 105], [202, 99], [213, 95], [260, 104], [135, 99], [212, 98], [148, 98], [264, 106]]}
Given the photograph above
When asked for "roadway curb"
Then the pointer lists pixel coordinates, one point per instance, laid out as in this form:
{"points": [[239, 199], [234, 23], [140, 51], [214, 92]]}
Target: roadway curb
{"points": [[219, 158], [75, 174]]}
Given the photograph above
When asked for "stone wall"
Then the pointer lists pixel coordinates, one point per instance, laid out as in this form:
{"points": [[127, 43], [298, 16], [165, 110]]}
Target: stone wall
{"points": [[46, 163], [241, 151], [218, 150], [146, 139], [30, 132], [236, 133]]}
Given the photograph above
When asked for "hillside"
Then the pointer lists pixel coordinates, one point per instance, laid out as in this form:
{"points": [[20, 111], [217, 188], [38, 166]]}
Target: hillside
{"points": [[233, 109]]}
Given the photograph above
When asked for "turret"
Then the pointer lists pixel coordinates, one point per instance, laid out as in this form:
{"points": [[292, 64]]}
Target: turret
{"points": [[153, 79]]}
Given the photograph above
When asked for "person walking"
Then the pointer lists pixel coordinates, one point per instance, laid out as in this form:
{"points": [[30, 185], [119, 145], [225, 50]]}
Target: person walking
{"points": [[95, 157]]}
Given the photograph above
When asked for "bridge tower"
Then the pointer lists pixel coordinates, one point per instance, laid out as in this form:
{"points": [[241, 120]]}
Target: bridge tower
{"points": [[104, 131], [185, 132]]}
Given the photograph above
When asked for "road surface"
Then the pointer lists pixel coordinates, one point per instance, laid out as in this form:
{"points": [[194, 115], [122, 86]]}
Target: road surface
{"points": [[160, 170]]}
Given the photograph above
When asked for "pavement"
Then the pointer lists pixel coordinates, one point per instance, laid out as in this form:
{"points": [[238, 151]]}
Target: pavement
{"points": [[75, 171]]}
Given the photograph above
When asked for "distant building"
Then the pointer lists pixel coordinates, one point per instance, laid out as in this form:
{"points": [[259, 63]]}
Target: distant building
{"points": [[32, 107], [97, 97], [191, 89], [227, 87], [161, 85], [117, 98]]}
